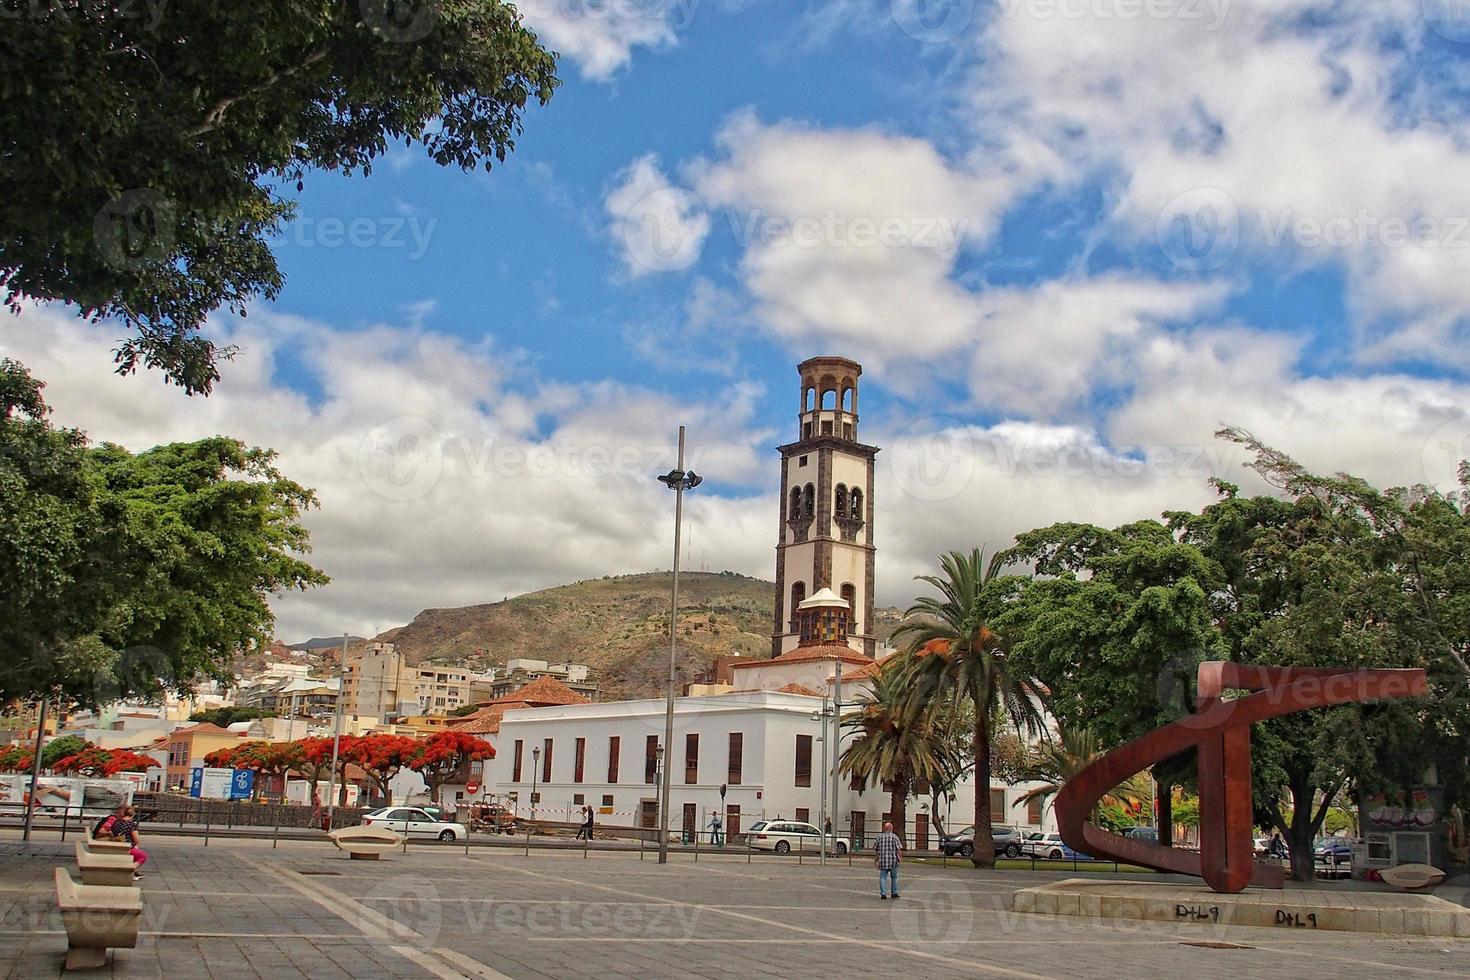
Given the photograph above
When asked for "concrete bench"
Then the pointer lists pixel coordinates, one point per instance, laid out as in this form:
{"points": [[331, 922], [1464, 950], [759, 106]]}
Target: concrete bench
{"points": [[96, 919], [1411, 877], [107, 846], [365, 843], [105, 868]]}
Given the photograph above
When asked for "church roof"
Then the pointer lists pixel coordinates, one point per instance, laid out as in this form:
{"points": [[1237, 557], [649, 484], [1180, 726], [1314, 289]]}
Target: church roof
{"points": [[866, 671], [815, 651], [823, 598], [801, 689]]}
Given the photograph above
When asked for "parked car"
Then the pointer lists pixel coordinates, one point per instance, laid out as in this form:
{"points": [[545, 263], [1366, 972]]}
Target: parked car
{"points": [[414, 822], [1148, 835], [785, 836], [1051, 847], [1007, 840], [1334, 850]]}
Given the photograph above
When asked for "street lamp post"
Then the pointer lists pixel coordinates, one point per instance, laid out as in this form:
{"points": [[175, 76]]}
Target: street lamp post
{"points": [[535, 765], [677, 480], [337, 734]]}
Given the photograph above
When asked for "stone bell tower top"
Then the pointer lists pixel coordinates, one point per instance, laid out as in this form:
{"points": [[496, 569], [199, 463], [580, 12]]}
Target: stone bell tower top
{"points": [[829, 397]]}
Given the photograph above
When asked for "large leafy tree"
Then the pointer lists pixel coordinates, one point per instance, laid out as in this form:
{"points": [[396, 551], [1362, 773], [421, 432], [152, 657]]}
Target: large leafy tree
{"points": [[956, 656], [1115, 623], [122, 572], [446, 756], [101, 763], [382, 757], [316, 762], [146, 147]]}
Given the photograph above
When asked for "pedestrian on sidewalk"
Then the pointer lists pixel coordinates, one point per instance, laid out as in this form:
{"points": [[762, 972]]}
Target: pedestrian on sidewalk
{"points": [[124, 827], [586, 830], [716, 837], [889, 852]]}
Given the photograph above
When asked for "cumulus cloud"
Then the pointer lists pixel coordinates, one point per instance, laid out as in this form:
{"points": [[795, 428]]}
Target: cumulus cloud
{"points": [[448, 473], [655, 225], [601, 35]]}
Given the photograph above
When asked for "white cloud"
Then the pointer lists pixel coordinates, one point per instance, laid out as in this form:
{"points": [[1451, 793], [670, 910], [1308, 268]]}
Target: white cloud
{"points": [[448, 473], [601, 35], [657, 226]]}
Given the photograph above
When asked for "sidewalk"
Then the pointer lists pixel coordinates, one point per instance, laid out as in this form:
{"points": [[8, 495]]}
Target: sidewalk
{"points": [[240, 909]]}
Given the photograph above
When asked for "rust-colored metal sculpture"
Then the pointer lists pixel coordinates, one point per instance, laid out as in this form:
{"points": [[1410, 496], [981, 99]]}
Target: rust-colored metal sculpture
{"points": [[1220, 729]]}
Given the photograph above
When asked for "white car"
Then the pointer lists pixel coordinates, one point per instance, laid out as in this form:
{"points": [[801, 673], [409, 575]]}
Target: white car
{"points": [[1044, 846], [785, 836], [413, 822]]}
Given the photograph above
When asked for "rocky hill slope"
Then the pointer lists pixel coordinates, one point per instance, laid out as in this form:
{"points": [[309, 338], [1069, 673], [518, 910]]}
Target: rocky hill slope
{"points": [[619, 625]]}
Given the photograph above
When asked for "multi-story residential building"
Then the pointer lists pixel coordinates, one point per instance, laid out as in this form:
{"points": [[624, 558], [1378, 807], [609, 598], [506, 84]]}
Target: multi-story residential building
{"points": [[378, 683], [520, 671], [187, 748]]}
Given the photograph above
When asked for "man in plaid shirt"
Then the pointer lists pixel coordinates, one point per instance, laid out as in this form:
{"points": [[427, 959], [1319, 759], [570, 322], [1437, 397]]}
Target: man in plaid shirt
{"points": [[889, 851]]}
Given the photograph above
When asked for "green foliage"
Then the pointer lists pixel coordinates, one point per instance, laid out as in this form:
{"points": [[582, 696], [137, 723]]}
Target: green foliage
{"points": [[123, 573], [953, 656], [464, 710], [59, 748], [228, 715], [147, 149]]}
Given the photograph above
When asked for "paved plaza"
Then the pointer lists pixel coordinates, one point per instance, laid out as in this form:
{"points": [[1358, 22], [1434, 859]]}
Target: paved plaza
{"points": [[239, 908]]}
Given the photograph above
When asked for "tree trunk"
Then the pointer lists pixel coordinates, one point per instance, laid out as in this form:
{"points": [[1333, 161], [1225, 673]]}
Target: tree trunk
{"points": [[1166, 813], [1299, 834], [898, 807], [984, 856]]}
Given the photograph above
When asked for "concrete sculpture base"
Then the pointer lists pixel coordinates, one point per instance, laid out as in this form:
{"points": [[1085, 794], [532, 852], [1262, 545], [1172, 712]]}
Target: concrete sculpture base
{"points": [[1288, 908]]}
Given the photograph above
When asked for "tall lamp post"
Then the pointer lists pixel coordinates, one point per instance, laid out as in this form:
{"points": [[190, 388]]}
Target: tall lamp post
{"points": [[677, 480], [337, 736]]}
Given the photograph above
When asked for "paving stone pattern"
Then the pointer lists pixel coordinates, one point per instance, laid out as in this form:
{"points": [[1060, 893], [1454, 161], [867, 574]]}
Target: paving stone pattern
{"points": [[243, 909]]}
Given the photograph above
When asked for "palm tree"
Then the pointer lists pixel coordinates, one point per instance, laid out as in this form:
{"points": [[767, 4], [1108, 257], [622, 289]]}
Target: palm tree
{"points": [[896, 745], [1057, 760], [954, 656]]}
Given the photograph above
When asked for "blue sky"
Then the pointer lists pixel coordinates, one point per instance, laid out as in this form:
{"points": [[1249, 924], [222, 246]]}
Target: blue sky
{"points": [[1067, 239]]}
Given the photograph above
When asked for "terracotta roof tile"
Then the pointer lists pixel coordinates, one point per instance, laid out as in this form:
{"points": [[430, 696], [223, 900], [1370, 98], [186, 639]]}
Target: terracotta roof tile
{"points": [[798, 689], [819, 651], [542, 691]]}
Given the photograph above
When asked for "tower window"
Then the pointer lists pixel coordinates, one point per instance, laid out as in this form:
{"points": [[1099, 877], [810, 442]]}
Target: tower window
{"points": [[840, 501], [793, 509], [798, 596], [801, 461], [855, 504], [809, 501], [806, 431], [829, 399], [849, 593]]}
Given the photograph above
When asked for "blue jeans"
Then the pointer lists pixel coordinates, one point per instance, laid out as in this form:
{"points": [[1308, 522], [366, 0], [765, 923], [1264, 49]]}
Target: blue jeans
{"points": [[889, 876]]}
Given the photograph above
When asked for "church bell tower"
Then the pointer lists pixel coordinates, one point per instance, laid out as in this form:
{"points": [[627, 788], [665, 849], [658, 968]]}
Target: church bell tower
{"points": [[826, 535]]}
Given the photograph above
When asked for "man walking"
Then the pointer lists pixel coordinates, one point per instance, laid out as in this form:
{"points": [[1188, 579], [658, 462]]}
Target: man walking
{"points": [[889, 852], [716, 838], [586, 830]]}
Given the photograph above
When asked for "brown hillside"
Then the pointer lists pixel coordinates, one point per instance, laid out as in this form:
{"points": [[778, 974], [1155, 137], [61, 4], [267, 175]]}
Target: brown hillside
{"points": [[619, 625]]}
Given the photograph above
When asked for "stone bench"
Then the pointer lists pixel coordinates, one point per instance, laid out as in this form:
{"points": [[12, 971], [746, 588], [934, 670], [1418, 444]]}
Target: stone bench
{"points": [[96, 919], [105, 867], [365, 843], [106, 846]]}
